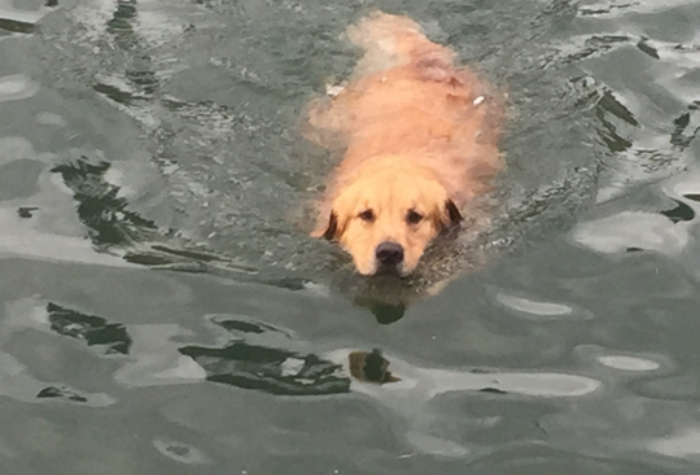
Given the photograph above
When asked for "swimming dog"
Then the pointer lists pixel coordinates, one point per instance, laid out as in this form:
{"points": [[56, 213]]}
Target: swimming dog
{"points": [[420, 135]]}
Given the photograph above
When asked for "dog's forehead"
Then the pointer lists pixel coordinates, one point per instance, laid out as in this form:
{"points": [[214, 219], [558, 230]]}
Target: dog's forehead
{"points": [[399, 197], [389, 192]]}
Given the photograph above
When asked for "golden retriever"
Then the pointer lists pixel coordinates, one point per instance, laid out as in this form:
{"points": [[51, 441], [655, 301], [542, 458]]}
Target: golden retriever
{"points": [[420, 137]]}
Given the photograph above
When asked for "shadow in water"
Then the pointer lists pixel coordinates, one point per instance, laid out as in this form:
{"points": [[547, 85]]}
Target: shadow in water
{"points": [[385, 313], [371, 367], [682, 212]]}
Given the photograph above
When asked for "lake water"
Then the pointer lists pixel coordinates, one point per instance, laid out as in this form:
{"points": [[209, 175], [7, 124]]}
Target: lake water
{"points": [[162, 310]]}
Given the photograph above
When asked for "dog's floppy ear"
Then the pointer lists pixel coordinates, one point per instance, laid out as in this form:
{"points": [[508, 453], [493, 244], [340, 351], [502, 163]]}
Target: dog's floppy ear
{"points": [[329, 232], [453, 212], [448, 216]]}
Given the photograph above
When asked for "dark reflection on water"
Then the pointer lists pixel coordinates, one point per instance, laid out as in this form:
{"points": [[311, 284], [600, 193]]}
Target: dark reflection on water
{"points": [[256, 367], [272, 370], [101, 210], [385, 313], [53, 392], [16, 26], [682, 212], [95, 331]]}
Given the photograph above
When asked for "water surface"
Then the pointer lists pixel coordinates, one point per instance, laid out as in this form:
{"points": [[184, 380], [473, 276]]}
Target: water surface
{"points": [[163, 310]]}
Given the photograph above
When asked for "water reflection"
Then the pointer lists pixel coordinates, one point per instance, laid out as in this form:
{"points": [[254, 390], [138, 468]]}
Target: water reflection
{"points": [[180, 452], [95, 331], [17, 86], [20, 20], [271, 370], [253, 355], [100, 207], [18, 383], [670, 230]]}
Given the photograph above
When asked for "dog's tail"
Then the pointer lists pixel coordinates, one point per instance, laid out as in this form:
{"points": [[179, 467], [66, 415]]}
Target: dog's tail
{"points": [[393, 40]]}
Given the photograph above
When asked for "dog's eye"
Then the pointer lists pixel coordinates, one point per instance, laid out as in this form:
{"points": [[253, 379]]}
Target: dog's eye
{"points": [[367, 215], [414, 217]]}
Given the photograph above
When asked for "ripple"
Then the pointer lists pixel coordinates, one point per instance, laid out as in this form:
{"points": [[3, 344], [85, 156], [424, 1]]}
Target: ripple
{"points": [[541, 310], [17, 383], [673, 388], [17, 86], [421, 384], [436, 446], [534, 458], [545, 309], [15, 148], [612, 10], [622, 361], [533, 384], [19, 20], [685, 186], [628, 363], [49, 118], [682, 444], [20, 239], [180, 452], [156, 360], [632, 229]]}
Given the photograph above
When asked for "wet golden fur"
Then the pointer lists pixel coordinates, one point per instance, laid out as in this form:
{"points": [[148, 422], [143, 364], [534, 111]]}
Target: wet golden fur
{"points": [[420, 137]]}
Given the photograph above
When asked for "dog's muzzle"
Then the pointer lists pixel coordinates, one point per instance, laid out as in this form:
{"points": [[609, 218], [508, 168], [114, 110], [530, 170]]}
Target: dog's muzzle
{"points": [[389, 255]]}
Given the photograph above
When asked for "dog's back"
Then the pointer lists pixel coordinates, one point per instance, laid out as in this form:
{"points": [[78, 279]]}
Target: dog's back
{"points": [[407, 98]]}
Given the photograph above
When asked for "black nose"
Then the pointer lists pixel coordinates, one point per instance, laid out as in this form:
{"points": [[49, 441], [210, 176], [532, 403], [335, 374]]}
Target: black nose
{"points": [[389, 253]]}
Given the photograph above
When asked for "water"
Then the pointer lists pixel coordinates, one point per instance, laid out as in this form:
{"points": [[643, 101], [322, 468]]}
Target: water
{"points": [[163, 310]]}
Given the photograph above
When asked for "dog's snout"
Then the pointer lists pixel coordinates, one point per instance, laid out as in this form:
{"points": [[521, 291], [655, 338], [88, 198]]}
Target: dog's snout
{"points": [[389, 253]]}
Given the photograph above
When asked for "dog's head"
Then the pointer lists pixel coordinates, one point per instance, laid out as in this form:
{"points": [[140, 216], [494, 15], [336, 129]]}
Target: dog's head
{"points": [[386, 215]]}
